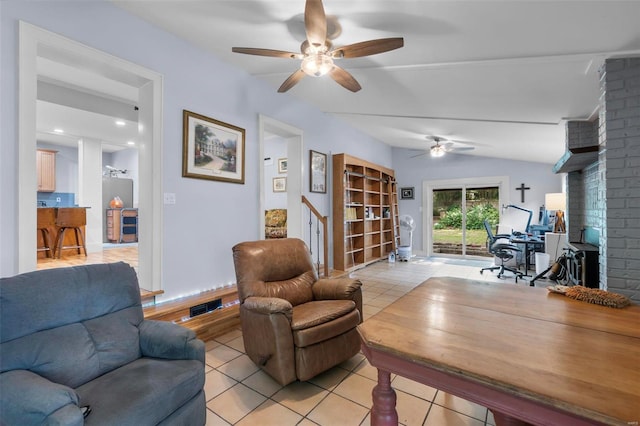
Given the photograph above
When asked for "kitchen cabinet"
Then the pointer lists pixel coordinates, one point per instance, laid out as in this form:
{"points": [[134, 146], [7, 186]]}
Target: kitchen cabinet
{"points": [[46, 169]]}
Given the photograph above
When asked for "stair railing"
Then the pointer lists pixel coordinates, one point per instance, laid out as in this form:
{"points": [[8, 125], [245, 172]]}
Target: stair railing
{"points": [[319, 219]]}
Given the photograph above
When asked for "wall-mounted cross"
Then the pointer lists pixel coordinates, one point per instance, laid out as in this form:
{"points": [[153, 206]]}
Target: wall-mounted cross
{"points": [[522, 188]]}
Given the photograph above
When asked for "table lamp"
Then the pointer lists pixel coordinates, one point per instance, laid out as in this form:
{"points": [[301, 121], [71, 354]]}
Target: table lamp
{"points": [[557, 201]]}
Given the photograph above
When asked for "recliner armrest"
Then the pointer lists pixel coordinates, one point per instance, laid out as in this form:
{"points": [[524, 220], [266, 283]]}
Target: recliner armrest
{"points": [[28, 398], [340, 289], [161, 339], [268, 305], [335, 288]]}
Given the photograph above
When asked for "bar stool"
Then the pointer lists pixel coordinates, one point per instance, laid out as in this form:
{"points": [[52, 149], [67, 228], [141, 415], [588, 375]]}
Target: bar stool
{"points": [[71, 218], [46, 220]]}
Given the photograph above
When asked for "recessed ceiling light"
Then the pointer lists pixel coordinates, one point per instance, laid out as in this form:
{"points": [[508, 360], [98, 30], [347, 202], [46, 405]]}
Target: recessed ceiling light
{"points": [[131, 143], [120, 123], [58, 131]]}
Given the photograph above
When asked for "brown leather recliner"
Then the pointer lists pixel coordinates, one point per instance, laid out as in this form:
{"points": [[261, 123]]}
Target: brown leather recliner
{"points": [[294, 325]]}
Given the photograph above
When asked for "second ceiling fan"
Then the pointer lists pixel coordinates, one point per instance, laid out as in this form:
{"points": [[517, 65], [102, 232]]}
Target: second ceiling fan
{"points": [[317, 53], [438, 150]]}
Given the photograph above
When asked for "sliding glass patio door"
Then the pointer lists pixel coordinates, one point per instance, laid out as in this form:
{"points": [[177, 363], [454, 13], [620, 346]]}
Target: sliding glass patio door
{"points": [[447, 222], [458, 219]]}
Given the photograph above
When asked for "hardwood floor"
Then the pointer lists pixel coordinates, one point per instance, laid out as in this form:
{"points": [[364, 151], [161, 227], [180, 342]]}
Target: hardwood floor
{"points": [[206, 326], [110, 253]]}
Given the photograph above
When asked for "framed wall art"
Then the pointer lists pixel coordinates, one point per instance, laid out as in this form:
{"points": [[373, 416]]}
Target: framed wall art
{"points": [[406, 193], [211, 149], [279, 184], [282, 165], [318, 172]]}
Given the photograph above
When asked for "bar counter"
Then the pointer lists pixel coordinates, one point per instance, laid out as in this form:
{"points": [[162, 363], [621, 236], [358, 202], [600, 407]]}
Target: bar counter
{"points": [[47, 220]]}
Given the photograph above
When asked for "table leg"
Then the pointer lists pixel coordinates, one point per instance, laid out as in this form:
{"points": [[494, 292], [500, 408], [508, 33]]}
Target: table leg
{"points": [[504, 420], [383, 412]]}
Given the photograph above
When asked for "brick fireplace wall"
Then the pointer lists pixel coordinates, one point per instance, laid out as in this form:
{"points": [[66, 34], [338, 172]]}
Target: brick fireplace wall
{"points": [[619, 172], [606, 194], [585, 199]]}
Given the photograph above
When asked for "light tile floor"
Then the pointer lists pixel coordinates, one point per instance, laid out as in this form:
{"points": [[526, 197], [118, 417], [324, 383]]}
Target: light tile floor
{"points": [[239, 393]]}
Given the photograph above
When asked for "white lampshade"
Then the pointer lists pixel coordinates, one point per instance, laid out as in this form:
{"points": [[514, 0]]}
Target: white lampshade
{"points": [[555, 201]]}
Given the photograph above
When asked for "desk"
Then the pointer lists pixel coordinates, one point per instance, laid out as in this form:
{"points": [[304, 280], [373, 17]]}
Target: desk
{"points": [[526, 354], [531, 245]]}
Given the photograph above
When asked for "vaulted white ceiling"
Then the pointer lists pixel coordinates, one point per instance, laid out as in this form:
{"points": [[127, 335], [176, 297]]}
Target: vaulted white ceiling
{"points": [[502, 76]]}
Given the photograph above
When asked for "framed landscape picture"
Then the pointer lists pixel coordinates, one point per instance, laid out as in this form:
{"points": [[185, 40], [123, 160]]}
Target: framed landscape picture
{"points": [[211, 149], [318, 171]]}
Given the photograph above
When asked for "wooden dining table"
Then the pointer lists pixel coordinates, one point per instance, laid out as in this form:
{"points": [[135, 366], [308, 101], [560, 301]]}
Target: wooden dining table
{"points": [[530, 356]]}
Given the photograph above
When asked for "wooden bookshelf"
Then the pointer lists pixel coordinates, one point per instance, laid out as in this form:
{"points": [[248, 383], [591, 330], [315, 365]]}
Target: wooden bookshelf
{"points": [[365, 212]]}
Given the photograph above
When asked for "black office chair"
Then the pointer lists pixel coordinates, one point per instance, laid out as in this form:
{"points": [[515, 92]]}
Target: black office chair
{"points": [[502, 250]]}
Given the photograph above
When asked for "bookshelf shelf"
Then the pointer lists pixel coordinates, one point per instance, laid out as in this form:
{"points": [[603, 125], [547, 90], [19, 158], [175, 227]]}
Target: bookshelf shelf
{"points": [[365, 212]]}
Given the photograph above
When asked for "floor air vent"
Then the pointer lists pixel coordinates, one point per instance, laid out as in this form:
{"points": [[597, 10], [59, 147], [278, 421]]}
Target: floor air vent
{"points": [[203, 308]]}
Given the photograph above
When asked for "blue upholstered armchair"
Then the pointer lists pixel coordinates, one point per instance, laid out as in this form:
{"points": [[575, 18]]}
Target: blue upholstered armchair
{"points": [[76, 337]]}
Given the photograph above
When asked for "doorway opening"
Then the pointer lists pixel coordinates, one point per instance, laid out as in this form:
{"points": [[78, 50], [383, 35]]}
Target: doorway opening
{"points": [[281, 167], [40, 50]]}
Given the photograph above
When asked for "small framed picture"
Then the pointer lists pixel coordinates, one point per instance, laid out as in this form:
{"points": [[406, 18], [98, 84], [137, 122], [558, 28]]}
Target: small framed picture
{"points": [[282, 165], [406, 193], [279, 184], [318, 175]]}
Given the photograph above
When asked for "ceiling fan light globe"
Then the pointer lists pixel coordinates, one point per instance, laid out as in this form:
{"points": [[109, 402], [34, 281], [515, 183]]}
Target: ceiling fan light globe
{"points": [[317, 64], [437, 151]]}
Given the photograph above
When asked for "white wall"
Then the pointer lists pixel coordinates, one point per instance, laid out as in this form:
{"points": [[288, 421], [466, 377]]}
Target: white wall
{"points": [[412, 172], [274, 148], [209, 217]]}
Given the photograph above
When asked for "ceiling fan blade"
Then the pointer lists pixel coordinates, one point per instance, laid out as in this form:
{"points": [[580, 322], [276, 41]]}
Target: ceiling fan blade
{"points": [[419, 155], [449, 147], [266, 52], [315, 22], [366, 48], [344, 79], [291, 81]]}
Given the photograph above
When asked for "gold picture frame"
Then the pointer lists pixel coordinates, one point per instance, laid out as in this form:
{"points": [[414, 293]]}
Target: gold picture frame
{"points": [[212, 149]]}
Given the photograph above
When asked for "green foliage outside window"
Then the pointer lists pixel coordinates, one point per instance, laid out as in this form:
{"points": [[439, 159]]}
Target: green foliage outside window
{"points": [[476, 215]]}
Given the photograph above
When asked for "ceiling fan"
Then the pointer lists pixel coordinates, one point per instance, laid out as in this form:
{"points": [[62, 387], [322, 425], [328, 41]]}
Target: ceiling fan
{"points": [[318, 53], [438, 150]]}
